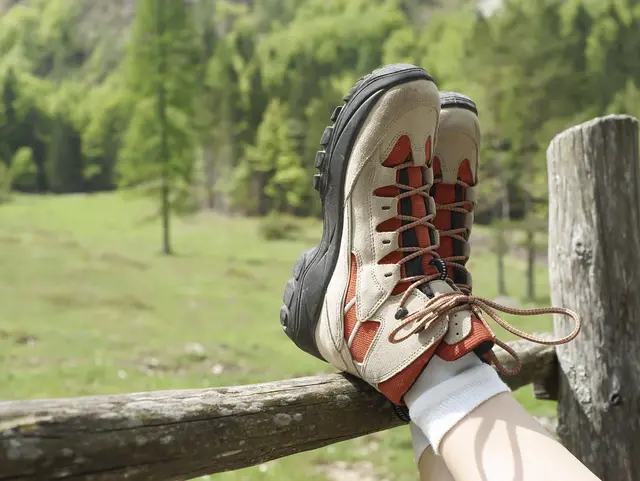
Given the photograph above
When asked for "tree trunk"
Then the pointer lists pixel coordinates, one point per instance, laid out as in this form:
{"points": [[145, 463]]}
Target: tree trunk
{"points": [[594, 253], [206, 13], [263, 202], [501, 247], [209, 175], [162, 117], [531, 263], [500, 244], [530, 234], [220, 169]]}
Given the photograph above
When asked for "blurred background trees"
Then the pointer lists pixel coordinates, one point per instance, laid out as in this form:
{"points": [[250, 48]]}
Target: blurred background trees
{"points": [[246, 87]]}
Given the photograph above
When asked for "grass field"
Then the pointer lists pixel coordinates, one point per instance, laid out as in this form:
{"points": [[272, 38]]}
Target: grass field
{"points": [[88, 306]]}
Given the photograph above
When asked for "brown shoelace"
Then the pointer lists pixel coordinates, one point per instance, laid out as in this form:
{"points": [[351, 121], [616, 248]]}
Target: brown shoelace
{"points": [[447, 304]]}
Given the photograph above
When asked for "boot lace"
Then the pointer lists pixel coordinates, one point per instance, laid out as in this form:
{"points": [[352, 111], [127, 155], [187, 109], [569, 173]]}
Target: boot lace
{"points": [[447, 304]]}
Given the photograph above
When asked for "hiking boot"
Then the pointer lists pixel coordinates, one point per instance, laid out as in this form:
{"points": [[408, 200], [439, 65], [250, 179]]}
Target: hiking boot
{"points": [[377, 297], [377, 256], [455, 172]]}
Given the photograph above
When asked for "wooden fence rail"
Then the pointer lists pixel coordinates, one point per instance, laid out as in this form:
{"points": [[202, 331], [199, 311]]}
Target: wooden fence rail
{"points": [[173, 435], [594, 248]]}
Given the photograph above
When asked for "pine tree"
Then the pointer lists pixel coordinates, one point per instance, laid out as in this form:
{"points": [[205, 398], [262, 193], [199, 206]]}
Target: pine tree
{"points": [[274, 163], [158, 155]]}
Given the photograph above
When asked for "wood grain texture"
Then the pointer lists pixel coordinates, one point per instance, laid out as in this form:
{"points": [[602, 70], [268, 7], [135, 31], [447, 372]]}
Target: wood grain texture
{"points": [[175, 435], [594, 248]]}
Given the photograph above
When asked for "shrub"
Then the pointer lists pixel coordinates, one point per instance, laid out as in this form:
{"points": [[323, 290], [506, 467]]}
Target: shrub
{"points": [[277, 226]]}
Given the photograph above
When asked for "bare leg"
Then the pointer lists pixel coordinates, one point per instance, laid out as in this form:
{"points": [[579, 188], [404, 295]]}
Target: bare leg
{"points": [[433, 468], [500, 441]]}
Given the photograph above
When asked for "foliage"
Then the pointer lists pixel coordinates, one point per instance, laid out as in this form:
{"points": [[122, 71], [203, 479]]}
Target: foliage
{"points": [[250, 86], [274, 158], [163, 60], [23, 170]]}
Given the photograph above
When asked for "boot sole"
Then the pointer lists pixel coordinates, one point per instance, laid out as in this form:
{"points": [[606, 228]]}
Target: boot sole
{"points": [[304, 293]]}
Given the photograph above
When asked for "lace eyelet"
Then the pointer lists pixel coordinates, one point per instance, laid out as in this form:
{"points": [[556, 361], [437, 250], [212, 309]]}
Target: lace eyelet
{"points": [[441, 265]]}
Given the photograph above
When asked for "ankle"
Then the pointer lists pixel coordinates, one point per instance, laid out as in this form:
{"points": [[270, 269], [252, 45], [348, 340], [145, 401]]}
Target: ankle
{"points": [[447, 392]]}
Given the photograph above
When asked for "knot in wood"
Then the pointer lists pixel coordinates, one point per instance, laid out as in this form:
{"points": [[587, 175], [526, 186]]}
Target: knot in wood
{"points": [[581, 250], [615, 399], [282, 419]]}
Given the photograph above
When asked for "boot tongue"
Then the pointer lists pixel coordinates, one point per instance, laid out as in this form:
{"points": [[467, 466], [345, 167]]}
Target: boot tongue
{"points": [[439, 287], [433, 288]]}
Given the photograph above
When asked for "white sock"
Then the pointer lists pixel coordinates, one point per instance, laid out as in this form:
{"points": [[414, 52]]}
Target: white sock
{"points": [[444, 371], [420, 441], [447, 391]]}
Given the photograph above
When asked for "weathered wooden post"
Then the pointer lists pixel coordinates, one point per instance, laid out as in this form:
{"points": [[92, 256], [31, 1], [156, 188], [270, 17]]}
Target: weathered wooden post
{"points": [[594, 264]]}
